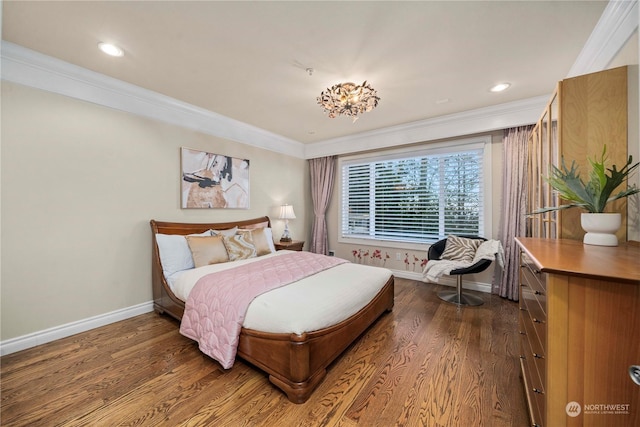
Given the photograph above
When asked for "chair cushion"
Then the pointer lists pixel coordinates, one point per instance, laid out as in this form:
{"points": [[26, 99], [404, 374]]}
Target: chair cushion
{"points": [[460, 248]]}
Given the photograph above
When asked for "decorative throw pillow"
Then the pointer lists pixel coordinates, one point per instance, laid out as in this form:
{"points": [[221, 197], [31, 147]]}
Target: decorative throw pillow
{"points": [[485, 249], [261, 238], [238, 247], [174, 252], [460, 248], [207, 250], [228, 232]]}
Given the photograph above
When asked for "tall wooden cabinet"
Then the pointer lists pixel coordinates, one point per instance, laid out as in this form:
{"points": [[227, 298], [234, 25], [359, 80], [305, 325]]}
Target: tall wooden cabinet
{"points": [[584, 114], [580, 332]]}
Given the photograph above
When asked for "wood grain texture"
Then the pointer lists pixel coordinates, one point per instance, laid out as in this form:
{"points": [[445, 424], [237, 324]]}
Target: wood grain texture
{"points": [[427, 363], [590, 331], [584, 114], [618, 263], [594, 108]]}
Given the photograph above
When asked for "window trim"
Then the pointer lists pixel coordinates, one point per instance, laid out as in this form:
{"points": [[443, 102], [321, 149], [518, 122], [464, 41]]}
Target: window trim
{"points": [[483, 142]]}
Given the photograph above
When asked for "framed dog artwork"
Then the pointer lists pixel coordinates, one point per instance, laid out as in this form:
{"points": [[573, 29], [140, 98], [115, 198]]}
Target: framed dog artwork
{"points": [[213, 181]]}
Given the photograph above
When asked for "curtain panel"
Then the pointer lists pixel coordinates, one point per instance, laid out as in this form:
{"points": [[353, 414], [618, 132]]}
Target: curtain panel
{"points": [[322, 172], [512, 218]]}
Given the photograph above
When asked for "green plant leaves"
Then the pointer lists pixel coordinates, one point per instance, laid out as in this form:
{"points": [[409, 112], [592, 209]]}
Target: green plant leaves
{"points": [[593, 195]]}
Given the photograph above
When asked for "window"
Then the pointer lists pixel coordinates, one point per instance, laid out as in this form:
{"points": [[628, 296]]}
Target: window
{"points": [[418, 196]]}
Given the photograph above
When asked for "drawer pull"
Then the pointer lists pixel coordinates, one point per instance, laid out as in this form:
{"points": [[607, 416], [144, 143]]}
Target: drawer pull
{"points": [[535, 390], [536, 320], [522, 332], [538, 356], [537, 292]]}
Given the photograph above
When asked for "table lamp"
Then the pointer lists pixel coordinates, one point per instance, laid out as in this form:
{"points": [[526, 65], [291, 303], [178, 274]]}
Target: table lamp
{"points": [[286, 213]]}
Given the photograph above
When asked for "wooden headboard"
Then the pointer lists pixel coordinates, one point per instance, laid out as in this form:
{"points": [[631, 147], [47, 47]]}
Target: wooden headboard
{"points": [[164, 300]]}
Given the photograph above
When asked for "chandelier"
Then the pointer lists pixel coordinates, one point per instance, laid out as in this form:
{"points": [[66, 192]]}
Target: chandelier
{"points": [[348, 99]]}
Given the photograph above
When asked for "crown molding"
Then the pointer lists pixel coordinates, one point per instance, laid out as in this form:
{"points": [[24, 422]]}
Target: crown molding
{"points": [[618, 22], [27, 67], [487, 119], [20, 65]]}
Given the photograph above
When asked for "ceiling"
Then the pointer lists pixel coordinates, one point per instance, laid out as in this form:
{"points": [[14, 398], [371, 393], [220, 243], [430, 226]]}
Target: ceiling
{"points": [[248, 60]]}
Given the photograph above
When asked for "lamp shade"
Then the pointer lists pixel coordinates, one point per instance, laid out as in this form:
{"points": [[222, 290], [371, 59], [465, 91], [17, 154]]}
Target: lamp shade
{"points": [[286, 212]]}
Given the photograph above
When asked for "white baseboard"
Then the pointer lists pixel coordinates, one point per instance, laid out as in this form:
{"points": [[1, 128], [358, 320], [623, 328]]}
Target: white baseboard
{"points": [[37, 338], [445, 281]]}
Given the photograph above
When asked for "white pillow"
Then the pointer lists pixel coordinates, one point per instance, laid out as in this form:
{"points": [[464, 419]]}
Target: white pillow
{"points": [[174, 252], [269, 234]]}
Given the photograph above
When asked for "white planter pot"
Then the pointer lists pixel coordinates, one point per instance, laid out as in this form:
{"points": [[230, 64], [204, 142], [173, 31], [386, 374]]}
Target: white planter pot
{"points": [[601, 228]]}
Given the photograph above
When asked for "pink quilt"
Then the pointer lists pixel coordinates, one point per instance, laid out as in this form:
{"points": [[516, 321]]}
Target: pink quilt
{"points": [[217, 305]]}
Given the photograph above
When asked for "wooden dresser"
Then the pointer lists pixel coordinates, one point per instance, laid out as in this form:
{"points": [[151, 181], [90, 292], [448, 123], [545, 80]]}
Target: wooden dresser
{"points": [[580, 332]]}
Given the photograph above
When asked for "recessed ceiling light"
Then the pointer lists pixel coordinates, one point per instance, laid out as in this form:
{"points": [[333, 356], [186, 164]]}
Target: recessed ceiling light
{"points": [[500, 87], [110, 49]]}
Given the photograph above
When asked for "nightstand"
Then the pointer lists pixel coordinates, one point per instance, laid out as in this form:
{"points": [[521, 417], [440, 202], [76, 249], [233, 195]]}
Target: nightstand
{"points": [[295, 245]]}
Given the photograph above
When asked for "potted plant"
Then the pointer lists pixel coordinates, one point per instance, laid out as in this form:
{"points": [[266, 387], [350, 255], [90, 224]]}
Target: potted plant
{"points": [[592, 196]]}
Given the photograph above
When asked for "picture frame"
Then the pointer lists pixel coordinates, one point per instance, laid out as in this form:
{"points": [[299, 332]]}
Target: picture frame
{"points": [[213, 181]]}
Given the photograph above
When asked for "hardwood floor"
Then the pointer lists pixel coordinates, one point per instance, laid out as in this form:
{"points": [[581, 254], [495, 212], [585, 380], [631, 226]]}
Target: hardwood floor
{"points": [[427, 363]]}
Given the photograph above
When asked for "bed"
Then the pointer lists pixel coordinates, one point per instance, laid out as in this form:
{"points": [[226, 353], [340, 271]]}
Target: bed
{"points": [[295, 361]]}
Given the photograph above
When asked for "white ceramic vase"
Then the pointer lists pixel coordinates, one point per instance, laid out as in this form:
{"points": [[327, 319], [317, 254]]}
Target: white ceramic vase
{"points": [[601, 228]]}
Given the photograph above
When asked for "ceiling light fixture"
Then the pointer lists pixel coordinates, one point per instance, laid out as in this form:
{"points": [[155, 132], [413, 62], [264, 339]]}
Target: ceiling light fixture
{"points": [[348, 99], [110, 49], [500, 87]]}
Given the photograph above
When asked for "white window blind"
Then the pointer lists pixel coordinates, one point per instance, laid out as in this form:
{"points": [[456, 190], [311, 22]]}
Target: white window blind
{"points": [[417, 198]]}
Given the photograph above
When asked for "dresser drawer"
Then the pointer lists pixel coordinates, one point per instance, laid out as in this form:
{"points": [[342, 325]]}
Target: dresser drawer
{"points": [[533, 349], [538, 317], [533, 390], [531, 303], [537, 346], [536, 386], [536, 283]]}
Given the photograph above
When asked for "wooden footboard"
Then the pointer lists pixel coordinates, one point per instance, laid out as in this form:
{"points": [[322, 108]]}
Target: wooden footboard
{"points": [[295, 363]]}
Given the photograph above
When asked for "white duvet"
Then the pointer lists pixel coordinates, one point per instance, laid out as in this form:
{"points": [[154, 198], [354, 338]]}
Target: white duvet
{"points": [[313, 303]]}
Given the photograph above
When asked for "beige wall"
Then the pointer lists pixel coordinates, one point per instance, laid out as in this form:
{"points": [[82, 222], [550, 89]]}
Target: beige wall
{"points": [[80, 183], [344, 250]]}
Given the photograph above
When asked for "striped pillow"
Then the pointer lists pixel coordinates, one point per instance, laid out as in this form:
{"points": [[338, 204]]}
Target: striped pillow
{"points": [[460, 249]]}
